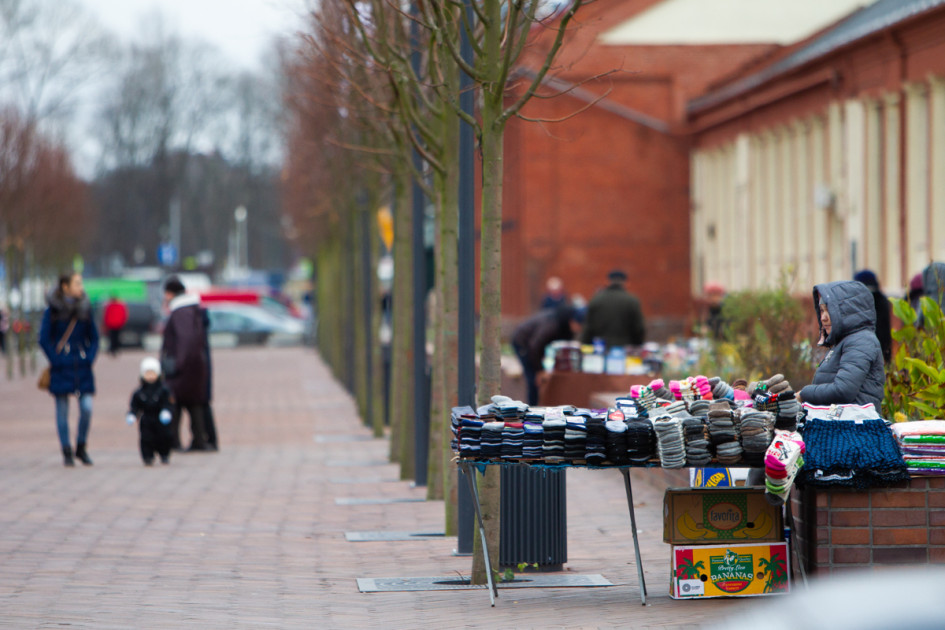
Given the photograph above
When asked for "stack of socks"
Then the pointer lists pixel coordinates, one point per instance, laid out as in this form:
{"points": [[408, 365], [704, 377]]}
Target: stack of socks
{"points": [[675, 388], [641, 440], [783, 459], [595, 451], [721, 389], [456, 423], [470, 433], [513, 437], [756, 430], [575, 438], [697, 444], [775, 395], [630, 408], [553, 427], [722, 434], [699, 408], [647, 398], [676, 409], [490, 442], [702, 388], [617, 437], [670, 441], [659, 389], [534, 436]]}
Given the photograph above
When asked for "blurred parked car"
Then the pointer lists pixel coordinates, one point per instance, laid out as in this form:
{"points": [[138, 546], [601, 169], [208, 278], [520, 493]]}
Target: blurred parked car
{"points": [[252, 324], [142, 320]]}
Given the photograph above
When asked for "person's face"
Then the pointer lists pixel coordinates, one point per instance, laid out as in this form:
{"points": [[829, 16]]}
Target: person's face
{"points": [[150, 376], [825, 319], [75, 288], [168, 296], [575, 326]]}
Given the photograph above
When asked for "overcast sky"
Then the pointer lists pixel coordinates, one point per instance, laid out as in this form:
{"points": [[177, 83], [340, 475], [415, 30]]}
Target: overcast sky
{"points": [[241, 29]]}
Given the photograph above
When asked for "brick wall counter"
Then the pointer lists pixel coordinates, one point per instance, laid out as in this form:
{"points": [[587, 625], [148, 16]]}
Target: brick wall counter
{"points": [[841, 529]]}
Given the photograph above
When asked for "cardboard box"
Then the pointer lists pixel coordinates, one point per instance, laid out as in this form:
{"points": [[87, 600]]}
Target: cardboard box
{"points": [[708, 516], [735, 570]]}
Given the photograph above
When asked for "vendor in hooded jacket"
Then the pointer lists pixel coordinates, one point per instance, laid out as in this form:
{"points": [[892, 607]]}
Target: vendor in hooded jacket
{"points": [[852, 371]]}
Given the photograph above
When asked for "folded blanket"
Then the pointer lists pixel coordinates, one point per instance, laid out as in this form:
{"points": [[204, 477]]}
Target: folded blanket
{"points": [[919, 428]]}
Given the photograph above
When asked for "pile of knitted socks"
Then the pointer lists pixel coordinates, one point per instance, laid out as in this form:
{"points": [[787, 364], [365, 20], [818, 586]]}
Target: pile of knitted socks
{"points": [[698, 453], [775, 395], [595, 451], [722, 434], [783, 460], [513, 437], [670, 442], [575, 438], [756, 430], [616, 425], [553, 428], [534, 436], [641, 440]]}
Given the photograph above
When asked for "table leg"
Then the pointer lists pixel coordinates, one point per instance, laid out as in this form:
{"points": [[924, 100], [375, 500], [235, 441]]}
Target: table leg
{"points": [[636, 542], [797, 552], [471, 480]]}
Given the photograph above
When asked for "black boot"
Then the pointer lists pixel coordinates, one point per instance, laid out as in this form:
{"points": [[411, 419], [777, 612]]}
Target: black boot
{"points": [[67, 456], [82, 455]]}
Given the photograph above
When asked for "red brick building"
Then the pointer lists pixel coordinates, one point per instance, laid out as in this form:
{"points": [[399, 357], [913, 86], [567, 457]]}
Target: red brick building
{"points": [[608, 187]]}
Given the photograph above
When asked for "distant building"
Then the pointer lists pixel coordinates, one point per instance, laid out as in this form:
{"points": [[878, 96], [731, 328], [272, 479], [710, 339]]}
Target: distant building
{"points": [[829, 158], [608, 186]]}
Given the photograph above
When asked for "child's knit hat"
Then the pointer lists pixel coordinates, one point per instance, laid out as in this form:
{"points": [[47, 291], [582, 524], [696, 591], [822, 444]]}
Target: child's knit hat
{"points": [[150, 364]]}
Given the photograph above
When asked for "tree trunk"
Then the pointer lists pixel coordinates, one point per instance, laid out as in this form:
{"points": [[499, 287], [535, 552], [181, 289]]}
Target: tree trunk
{"points": [[490, 313], [402, 420]]}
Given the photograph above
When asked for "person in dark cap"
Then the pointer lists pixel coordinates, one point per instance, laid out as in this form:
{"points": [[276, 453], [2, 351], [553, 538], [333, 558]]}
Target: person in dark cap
{"points": [[883, 311], [184, 361], [614, 315], [535, 333]]}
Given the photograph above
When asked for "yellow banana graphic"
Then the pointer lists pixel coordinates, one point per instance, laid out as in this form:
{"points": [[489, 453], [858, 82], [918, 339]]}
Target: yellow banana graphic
{"points": [[688, 528], [763, 525]]}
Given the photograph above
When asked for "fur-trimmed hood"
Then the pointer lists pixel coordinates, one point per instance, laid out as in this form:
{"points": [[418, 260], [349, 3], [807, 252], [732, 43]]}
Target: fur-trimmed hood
{"points": [[63, 307]]}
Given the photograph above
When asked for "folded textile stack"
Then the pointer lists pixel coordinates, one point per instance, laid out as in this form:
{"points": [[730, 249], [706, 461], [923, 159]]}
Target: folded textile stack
{"points": [[553, 427], [641, 440], [721, 389], [923, 445], [490, 442], [647, 399], [722, 435], [456, 426], [507, 409], [702, 387], [676, 409], [595, 451], [513, 438], [699, 407], [631, 408], [575, 438], [669, 441], [534, 437], [698, 452], [659, 389], [783, 459], [775, 395], [756, 430], [853, 448], [616, 426]]}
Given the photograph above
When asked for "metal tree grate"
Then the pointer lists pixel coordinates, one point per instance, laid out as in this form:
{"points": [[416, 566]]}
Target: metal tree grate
{"points": [[453, 583], [375, 501], [383, 536]]}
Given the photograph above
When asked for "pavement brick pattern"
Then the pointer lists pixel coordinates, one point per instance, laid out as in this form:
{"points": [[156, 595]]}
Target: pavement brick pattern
{"points": [[251, 537]]}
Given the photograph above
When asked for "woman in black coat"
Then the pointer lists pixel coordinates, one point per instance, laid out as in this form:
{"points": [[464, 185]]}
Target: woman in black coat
{"points": [[69, 338]]}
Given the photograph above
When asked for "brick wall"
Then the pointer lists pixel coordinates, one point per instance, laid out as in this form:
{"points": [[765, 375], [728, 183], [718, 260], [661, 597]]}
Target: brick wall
{"points": [[847, 529]]}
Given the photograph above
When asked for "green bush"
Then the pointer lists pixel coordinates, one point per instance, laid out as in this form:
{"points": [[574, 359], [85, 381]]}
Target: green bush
{"points": [[915, 388], [765, 332]]}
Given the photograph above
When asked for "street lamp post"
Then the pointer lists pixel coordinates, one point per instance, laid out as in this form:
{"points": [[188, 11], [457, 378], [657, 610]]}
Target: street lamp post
{"points": [[242, 252]]}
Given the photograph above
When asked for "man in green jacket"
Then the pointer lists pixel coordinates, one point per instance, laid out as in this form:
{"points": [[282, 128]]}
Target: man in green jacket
{"points": [[614, 315]]}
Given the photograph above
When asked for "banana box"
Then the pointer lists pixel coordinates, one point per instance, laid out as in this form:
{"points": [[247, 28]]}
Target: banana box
{"points": [[710, 516], [736, 570]]}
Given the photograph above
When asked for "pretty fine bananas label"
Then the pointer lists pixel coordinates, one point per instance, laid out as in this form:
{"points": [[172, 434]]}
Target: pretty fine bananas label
{"points": [[730, 571]]}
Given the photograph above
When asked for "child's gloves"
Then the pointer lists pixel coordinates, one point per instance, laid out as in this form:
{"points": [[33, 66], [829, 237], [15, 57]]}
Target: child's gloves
{"points": [[165, 416], [130, 419]]}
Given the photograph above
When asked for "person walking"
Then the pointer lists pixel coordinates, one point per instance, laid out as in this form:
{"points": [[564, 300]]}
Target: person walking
{"points": [[69, 339], [114, 318], [184, 362], [614, 315], [883, 311]]}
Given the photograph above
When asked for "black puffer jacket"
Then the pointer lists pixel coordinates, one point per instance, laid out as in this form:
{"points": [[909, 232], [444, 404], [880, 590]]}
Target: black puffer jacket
{"points": [[852, 371]]}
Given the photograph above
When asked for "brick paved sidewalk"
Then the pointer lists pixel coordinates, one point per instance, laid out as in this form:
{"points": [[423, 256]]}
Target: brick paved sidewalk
{"points": [[251, 537]]}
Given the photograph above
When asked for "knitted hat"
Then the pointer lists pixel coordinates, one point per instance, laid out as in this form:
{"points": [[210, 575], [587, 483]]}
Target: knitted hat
{"points": [[150, 364], [174, 286]]}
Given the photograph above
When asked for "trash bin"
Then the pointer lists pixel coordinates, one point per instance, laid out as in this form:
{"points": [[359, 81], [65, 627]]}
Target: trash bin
{"points": [[533, 520]]}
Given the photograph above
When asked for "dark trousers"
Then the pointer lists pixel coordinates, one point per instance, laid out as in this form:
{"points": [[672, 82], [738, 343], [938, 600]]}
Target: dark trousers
{"points": [[210, 425], [114, 340], [155, 438], [198, 431], [529, 375]]}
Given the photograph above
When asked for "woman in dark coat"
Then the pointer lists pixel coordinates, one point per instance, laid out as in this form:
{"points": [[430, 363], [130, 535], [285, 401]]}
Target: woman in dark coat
{"points": [[853, 371], [883, 311], [69, 338], [184, 361]]}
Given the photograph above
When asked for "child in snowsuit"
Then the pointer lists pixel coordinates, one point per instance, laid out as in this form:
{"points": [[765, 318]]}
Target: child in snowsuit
{"points": [[151, 405]]}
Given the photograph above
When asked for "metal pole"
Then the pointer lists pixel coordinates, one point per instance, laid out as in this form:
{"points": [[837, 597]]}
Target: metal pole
{"points": [[466, 386], [636, 542], [420, 391], [368, 298]]}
